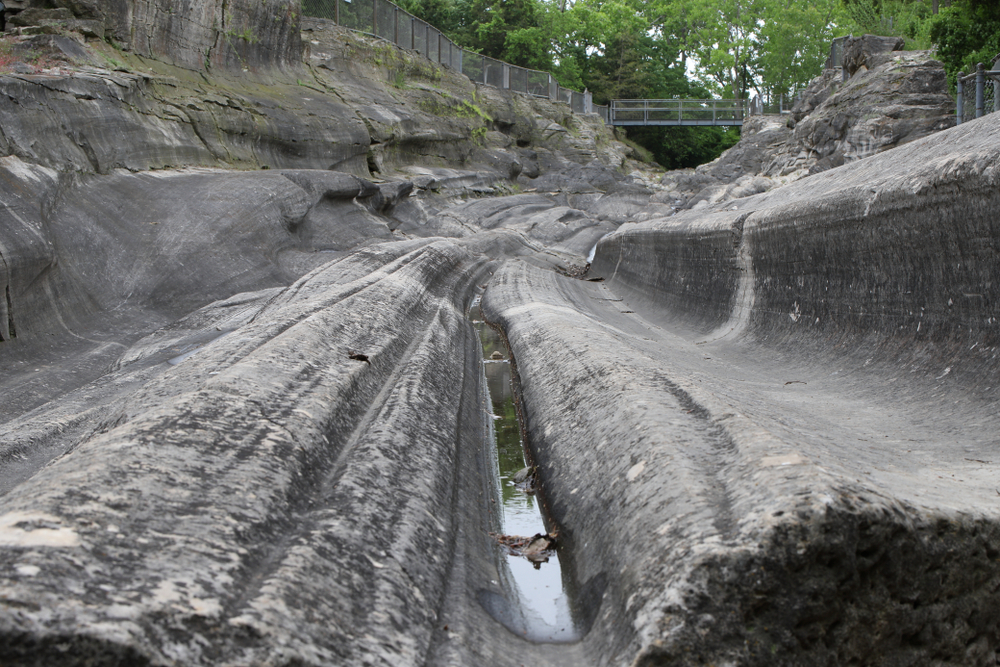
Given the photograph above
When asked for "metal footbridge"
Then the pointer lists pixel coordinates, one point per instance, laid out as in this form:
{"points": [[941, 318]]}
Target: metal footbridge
{"points": [[676, 112]]}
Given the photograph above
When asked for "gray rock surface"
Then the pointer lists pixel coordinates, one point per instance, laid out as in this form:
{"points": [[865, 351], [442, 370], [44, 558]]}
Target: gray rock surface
{"points": [[893, 97], [861, 51], [790, 405], [244, 421], [258, 506]]}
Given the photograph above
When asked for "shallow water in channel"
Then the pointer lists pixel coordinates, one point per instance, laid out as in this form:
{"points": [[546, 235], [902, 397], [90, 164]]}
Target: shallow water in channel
{"points": [[538, 590]]}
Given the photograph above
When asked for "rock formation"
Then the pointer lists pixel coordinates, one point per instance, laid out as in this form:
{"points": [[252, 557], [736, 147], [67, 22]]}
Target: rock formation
{"points": [[229, 34], [891, 97], [243, 416]]}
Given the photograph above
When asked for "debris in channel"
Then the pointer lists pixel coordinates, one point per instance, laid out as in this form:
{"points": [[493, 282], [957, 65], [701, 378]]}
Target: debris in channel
{"points": [[537, 548], [357, 356], [524, 479]]}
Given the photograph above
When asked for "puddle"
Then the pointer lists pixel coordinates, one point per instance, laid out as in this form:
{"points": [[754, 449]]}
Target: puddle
{"points": [[536, 603]]}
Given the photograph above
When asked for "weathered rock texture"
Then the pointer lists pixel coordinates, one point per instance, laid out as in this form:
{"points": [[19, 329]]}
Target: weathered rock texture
{"points": [[791, 399], [226, 34], [243, 414], [250, 516], [892, 98]]}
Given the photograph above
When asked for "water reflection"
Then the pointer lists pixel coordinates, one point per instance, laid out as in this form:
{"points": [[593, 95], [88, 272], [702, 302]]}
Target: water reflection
{"points": [[537, 606]]}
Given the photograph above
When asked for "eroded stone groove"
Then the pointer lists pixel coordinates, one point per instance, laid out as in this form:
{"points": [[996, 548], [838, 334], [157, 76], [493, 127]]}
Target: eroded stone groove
{"points": [[242, 420], [11, 330]]}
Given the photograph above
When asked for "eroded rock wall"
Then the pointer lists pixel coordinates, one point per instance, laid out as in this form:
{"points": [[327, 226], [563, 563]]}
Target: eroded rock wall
{"points": [[234, 35], [764, 432], [890, 259]]}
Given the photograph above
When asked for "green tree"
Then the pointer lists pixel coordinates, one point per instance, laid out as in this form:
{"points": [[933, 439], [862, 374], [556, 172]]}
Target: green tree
{"points": [[966, 33], [726, 41], [893, 18], [508, 30], [794, 42]]}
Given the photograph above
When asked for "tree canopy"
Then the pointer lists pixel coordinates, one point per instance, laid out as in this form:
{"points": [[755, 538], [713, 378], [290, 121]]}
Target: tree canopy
{"points": [[629, 49]]}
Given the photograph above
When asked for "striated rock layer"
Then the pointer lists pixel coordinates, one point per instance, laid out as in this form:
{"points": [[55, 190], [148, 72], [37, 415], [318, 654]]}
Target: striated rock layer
{"points": [[244, 421], [834, 343]]}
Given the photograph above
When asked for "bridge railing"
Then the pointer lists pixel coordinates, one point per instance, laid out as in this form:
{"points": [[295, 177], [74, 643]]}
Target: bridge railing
{"points": [[677, 112], [384, 19]]}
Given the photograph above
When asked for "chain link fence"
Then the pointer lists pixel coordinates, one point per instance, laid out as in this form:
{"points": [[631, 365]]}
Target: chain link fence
{"points": [[978, 93], [383, 19]]}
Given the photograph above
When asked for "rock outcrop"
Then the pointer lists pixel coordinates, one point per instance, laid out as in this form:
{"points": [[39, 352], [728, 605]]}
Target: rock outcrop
{"points": [[244, 419], [892, 97], [235, 35]]}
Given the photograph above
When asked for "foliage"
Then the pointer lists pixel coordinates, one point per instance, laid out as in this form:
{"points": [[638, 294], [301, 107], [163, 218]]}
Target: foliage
{"points": [[682, 147], [966, 33], [909, 19], [628, 49]]}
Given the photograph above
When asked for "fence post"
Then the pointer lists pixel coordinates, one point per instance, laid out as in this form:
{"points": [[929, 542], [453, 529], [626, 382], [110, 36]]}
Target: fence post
{"points": [[505, 79], [336, 11], [713, 112], [588, 101], [395, 25], [413, 36], [375, 17], [980, 80], [552, 94], [960, 102]]}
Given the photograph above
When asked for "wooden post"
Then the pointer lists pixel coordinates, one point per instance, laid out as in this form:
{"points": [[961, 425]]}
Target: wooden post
{"points": [[375, 17]]}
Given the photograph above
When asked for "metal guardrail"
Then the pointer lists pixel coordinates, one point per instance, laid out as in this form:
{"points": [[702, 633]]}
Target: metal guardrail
{"points": [[383, 19], [758, 108], [678, 112], [978, 94]]}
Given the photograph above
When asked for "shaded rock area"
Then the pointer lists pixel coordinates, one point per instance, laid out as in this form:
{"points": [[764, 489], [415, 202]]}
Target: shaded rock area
{"points": [[891, 97], [234, 35], [244, 419]]}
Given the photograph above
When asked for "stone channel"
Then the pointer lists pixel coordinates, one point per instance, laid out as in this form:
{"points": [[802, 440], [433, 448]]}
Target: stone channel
{"points": [[539, 591], [246, 419]]}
